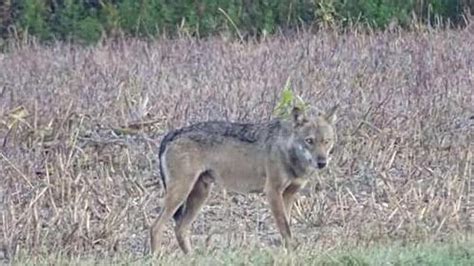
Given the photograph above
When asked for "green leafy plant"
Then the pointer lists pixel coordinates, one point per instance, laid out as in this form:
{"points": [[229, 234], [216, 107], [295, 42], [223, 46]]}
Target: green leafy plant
{"points": [[288, 100]]}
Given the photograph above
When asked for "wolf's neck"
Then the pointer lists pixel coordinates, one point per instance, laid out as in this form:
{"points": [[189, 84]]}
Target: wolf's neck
{"points": [[298, 162]]}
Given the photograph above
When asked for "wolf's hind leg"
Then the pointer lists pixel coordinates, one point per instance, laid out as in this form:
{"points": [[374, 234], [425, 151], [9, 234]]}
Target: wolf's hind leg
{"points": [[193, 205], [177, 192]]}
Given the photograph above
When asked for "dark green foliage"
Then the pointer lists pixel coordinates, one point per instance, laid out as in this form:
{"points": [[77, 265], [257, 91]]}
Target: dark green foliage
{"points": [[75, 21], [377, 13], [33, 18], [87, 20]]}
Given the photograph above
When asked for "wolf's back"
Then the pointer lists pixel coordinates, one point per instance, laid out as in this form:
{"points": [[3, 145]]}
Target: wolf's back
{"points": [[209, 131]]}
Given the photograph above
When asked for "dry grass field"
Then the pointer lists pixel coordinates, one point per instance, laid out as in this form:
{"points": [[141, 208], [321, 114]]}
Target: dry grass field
{"points": [[80, 129]]}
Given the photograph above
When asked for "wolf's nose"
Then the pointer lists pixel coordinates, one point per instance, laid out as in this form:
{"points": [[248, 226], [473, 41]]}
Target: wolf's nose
{"points": [[321, 165], [321, 162]]}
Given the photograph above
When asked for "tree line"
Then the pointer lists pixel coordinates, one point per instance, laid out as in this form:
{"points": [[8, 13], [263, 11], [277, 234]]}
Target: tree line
{"points": [[89, 20]]}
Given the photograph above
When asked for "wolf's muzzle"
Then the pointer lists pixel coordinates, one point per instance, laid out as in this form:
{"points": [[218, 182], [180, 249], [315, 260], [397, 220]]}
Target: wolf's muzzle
{"points": [[321, 162]]}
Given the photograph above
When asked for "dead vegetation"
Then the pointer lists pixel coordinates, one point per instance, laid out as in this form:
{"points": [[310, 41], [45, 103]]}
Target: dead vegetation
{"points": [[80, 127]]}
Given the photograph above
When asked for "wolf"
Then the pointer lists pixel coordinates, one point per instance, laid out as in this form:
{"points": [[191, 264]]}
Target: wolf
{"points": [[275, 157]]}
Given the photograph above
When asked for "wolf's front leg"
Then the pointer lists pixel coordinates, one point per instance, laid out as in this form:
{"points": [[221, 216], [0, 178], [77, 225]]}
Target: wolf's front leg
{"points": [[289, 196], [277, 206]]}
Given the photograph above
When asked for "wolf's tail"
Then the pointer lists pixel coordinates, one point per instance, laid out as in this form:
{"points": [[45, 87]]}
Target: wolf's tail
{"points": [[164, 143]]}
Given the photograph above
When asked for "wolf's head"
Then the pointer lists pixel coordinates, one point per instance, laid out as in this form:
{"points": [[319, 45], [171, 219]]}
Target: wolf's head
{"points": [[313, 137]]}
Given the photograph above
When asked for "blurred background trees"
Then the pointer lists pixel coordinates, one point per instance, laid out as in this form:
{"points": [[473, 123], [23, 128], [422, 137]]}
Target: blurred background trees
{"points": [[89, 20]]}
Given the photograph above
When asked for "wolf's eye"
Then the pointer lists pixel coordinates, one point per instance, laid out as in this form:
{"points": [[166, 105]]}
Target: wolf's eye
{"points": [[310, 141]]}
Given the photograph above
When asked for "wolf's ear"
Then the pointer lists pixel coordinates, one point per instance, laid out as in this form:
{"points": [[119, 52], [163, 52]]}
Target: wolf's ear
{"points": [[331, 115], [298, 115]]}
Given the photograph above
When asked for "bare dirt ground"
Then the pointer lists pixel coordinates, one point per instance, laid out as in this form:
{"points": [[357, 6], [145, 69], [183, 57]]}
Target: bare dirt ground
{"points": [[80, 129]]}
